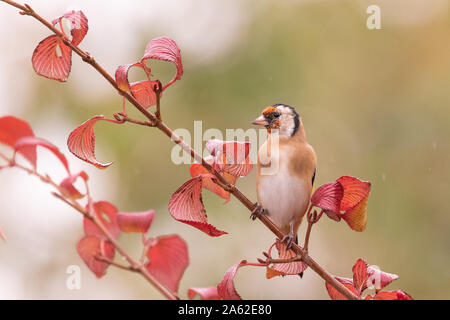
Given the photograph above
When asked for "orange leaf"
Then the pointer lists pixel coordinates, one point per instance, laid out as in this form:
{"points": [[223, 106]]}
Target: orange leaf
{"points": [[354, 201], [336, 295]]}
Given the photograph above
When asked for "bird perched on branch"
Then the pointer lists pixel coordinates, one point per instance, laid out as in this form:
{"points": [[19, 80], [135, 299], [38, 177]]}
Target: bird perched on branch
{"points": [[286, 170]]}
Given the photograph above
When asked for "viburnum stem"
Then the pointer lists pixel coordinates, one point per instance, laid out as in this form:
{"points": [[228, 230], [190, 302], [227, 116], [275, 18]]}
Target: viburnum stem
{"points": [[293, 259], [158, 91], [176, 139], [116, 264]]}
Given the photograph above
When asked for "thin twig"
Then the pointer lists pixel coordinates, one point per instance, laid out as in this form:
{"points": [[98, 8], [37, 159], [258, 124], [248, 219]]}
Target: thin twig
{"points": [[116, 264], [176, 139]]}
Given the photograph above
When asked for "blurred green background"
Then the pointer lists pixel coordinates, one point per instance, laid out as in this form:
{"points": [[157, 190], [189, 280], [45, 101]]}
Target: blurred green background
{"points": [[375, 105]]}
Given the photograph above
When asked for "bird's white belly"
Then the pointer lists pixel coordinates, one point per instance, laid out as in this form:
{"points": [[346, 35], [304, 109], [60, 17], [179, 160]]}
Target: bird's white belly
{"points": [[283, 195]]}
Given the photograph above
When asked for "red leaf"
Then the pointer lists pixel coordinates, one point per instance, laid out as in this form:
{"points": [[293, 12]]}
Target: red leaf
{"points": [[89, 247], [226, 288], [135, 221], [336, 295], [392, 295], [204, 293], [328, 197], [354, 201], [231, 156], [380, 279], [360, 275], [186, 206], [165, 49], [142, 91], [52, 59], [292, 268], [68, 188], [107, 214], [197, 169], [27, 142], [81, 141], [11, 130], [78, 25], [403, 296], [168, 258], [333, 215]]}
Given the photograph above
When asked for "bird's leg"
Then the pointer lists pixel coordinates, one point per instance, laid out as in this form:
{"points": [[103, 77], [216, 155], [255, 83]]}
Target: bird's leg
{"points": [[257, 211], [289, 238]]}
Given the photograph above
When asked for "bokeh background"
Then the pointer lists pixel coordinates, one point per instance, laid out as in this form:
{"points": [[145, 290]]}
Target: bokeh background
{"points": [[375, 104]]}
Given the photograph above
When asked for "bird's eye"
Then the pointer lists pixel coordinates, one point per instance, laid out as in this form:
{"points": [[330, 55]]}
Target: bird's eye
{"points": [[276, 114]]}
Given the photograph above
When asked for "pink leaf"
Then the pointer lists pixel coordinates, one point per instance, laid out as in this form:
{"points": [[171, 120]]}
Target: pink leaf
{"points": [[168, 258], [27, 142], [226, 287], [380, 279], [165, 49], [90, 247], [336, 295], [78, 25], [292, 268], [11, 130], [328, 197], [354, 201], [52, 59], [204, 293], [68, 188], [135, 221], [186, 206], [81, 141], [214, 145], [107, 214]]}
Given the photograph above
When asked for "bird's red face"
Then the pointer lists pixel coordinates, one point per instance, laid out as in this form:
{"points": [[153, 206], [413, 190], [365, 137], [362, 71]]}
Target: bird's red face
{"points": [[270, 118], [281, 117]]}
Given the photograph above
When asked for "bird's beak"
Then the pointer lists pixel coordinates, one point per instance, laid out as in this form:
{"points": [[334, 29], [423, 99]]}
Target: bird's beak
{"points": [[260, 121]]}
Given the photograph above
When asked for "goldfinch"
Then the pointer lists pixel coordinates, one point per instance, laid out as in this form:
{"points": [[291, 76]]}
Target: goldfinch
{"points": [[285, 172]]}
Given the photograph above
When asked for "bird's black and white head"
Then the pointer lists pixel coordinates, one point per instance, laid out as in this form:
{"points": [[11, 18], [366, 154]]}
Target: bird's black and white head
{"points": [[281, 117]]}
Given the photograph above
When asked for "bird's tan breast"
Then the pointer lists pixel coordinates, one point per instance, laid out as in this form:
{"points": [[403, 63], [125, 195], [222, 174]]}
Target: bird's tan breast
{"points": [[285, 193]]}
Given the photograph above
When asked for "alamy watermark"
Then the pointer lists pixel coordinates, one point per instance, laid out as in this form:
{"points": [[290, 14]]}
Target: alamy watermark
{"points": [[257, 138]]}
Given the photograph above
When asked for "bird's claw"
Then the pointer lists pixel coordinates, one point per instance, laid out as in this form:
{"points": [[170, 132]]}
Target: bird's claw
{"points": [[288, 239], [257, 211]]}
